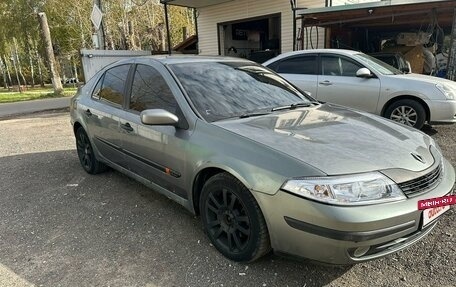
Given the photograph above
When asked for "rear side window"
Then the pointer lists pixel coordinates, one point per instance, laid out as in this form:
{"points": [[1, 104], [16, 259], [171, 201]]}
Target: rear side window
{"points": [[97, 89], [113, 84], [298, 65]]}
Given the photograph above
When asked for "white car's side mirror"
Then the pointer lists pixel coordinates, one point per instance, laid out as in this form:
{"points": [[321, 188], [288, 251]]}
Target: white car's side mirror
{"points": [[364, 73]]}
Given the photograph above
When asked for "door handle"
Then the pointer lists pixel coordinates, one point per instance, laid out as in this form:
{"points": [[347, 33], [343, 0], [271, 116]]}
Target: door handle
{"points": [[326, 83], [88, 112], [126, 127]]}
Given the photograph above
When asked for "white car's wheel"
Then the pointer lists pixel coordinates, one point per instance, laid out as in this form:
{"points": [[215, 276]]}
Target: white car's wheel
{"points": [[407, 112]]}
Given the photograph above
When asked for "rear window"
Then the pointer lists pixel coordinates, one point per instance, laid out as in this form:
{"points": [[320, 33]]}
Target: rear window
{"points": [[298, 65]]}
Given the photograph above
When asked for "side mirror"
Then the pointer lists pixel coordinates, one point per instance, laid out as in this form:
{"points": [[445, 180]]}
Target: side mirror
{"points": [[405, 70], [158, 117], [409, 67], [364, 73]]}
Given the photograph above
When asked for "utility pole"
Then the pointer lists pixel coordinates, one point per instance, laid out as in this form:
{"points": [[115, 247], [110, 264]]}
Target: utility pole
{"points": [[168, 38], [46, 35]]}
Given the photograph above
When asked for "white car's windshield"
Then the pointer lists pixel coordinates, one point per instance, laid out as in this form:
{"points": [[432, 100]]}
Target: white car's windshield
{"points": [[379, 66]]}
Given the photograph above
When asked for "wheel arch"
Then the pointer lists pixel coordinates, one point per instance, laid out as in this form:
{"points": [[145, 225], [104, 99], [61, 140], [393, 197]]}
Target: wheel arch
{"points": [[203, 175], [408, 97], [76, 126]]}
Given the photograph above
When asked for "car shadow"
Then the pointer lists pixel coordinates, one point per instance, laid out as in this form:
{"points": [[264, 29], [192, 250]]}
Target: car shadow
{"points": [[61, 226], [429, 130]]}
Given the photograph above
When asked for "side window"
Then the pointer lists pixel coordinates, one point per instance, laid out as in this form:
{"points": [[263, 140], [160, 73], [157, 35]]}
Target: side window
{"points": [[150, 91], [273, 66], [330, 66], [349, 68], [298, 65], [113, 84], [97, 89], [338, 66]]}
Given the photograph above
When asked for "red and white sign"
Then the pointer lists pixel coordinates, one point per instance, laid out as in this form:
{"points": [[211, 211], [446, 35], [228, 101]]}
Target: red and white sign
{"points": [[436, 202], [430, 214]]}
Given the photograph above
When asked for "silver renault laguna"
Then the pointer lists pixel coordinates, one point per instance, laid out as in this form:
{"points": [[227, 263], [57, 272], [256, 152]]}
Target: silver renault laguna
{"points": [[264, 165]]}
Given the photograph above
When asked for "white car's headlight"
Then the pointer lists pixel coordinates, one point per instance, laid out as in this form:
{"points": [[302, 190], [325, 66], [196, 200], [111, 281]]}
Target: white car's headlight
{"points": [[360, 189], [447, 91]]}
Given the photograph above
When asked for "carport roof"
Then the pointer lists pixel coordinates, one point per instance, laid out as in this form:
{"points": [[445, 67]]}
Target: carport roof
{"points": [[194, 3], [383, 14]]}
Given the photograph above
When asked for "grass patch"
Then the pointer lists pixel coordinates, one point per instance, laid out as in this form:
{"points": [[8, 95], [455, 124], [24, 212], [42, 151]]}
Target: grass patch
{"points": [[33, 94]]}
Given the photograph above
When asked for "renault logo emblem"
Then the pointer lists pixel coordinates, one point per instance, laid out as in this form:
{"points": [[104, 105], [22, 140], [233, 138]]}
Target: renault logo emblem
{"points": [[418, 157]]}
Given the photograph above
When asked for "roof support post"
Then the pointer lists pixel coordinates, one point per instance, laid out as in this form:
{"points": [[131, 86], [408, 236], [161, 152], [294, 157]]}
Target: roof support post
{"points": [[451, 66], [168, 35], [293, 9], [195, 19]]}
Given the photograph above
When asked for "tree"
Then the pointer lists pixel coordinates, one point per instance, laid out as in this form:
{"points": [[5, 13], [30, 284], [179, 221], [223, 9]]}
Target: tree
{"points": [[129, 24]]}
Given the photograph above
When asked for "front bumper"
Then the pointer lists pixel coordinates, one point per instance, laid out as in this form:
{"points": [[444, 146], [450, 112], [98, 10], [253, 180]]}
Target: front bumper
{"points": [[336, 234], [442, 111]]}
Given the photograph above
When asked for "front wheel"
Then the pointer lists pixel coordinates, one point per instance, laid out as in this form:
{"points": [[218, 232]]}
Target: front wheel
{"points": [[232, 219], [408, 112]]}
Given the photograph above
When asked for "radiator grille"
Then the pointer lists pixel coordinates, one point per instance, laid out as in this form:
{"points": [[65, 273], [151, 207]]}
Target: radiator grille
{"points": [[423, 183]]}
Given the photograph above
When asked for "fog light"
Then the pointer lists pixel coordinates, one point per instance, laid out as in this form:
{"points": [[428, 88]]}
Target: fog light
{"points": [[360, 251]]}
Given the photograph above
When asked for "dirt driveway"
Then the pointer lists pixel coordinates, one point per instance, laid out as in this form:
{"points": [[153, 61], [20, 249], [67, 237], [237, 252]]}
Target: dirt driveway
{"points": [[62, 227]]}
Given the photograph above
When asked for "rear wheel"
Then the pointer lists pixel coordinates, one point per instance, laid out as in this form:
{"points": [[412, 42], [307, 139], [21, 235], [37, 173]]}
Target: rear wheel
{"points": [[232, 219], [86, 154], [408, 112]]}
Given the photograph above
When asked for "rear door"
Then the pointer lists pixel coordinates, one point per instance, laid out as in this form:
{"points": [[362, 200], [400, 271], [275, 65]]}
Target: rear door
{"points": [[300, 70], [156, 153], [105, 111], [338, 83]]}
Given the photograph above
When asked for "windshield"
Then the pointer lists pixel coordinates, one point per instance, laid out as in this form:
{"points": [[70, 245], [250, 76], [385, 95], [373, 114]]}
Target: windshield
{"points": [[221, 90], [376, 64]]}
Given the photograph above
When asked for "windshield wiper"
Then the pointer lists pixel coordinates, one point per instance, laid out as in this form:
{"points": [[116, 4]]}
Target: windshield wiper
{"points": [[291, 107], [248, 115]]}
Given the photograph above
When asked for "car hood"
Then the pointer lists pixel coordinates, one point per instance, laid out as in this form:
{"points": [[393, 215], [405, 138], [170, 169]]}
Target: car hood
{"points": [[426, 79], [337, 140]]}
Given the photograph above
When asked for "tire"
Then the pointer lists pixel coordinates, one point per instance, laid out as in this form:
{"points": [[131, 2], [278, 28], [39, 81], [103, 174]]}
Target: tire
{"points": [[408, 112], [86, 154], [233, 220]]}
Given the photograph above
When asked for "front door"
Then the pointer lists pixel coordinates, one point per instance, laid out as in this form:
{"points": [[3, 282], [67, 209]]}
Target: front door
{"points": [[337, 83], [156, 153]]}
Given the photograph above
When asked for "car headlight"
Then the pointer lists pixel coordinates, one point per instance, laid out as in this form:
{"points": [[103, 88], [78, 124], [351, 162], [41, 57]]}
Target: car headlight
{"points": [[359, 189], [447, 91]]}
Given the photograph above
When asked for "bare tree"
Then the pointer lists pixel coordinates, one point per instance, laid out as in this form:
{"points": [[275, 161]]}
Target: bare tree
{"points": [[3, 69]]}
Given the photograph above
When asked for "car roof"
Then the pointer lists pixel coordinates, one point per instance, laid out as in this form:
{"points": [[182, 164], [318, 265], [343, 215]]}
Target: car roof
{"points": [[386, 54], [177, 59], [312, 51]]}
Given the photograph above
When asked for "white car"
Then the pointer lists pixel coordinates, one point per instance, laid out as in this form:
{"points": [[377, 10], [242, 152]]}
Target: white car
{"points": [[357, 80]]}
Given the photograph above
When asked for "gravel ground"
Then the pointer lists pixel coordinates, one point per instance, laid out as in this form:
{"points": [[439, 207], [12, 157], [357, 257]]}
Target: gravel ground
{"points": [[62, 227]]}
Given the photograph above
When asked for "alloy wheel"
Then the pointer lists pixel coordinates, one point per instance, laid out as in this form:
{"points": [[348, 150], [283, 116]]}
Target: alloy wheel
{"points": [[405, 115], [228, 220], [84, 150]]}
